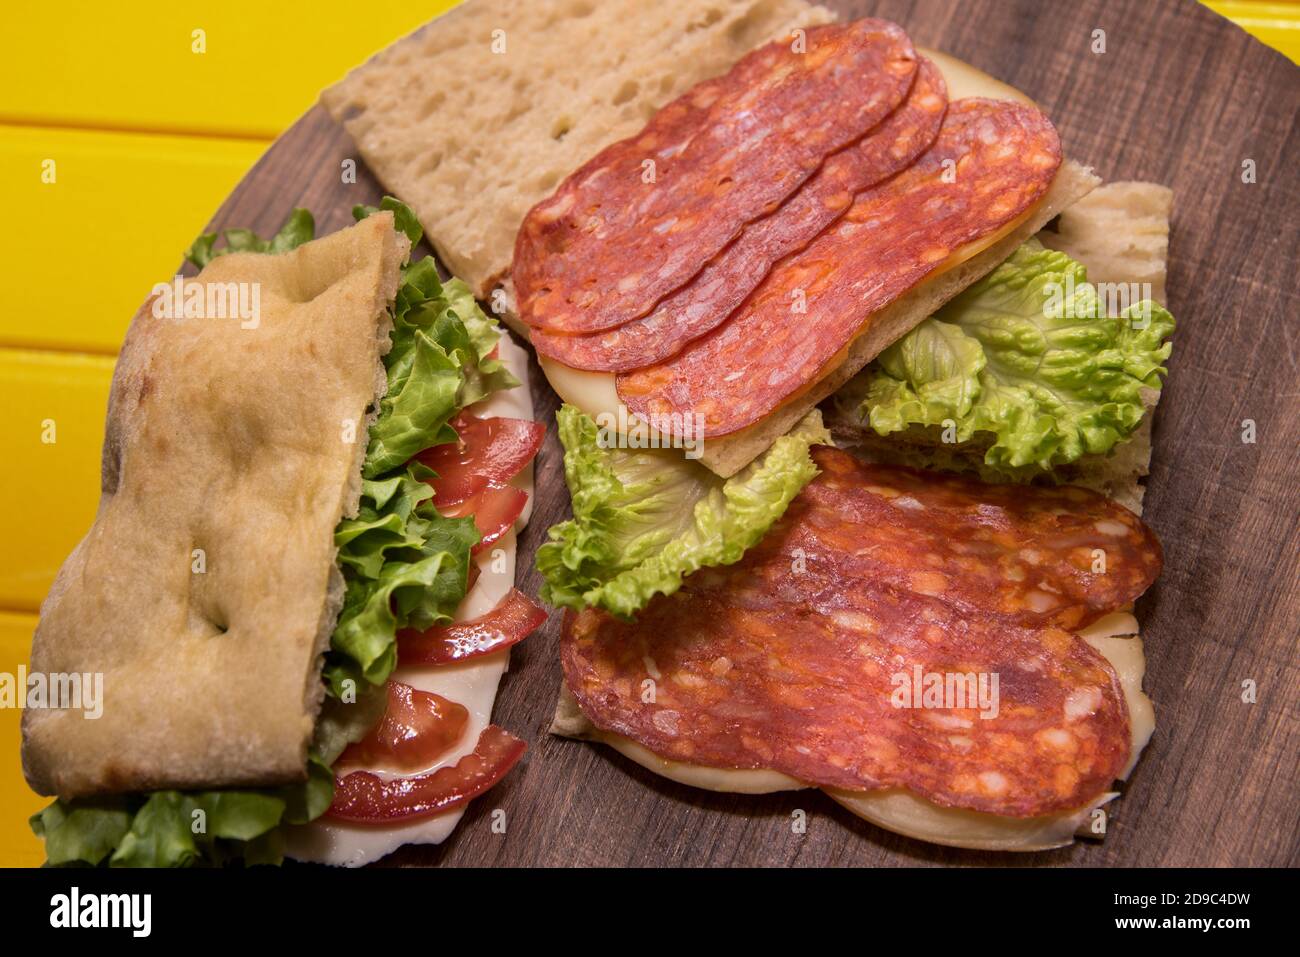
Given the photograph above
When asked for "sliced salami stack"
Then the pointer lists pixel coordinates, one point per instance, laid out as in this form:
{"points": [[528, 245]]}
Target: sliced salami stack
{"points": [[721, 260]]}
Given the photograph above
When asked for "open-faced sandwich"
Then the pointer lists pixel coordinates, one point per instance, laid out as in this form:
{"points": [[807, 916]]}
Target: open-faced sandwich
{"points": [[859, 372], [299, 585]]}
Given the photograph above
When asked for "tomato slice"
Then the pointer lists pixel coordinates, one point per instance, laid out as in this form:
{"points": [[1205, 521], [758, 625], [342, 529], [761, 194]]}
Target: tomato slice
{"points": [[487, 452], [494, 509], [510, 622], [417, 728], [365, 798], [496, 512]]}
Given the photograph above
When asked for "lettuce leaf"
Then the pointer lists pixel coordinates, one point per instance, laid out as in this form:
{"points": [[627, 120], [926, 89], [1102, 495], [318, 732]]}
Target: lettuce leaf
{"points": [[180, 829], [404, 218], [438, 364], [84, 831], [403, 565], [1025, 361], [645, 519], [299, 228]]}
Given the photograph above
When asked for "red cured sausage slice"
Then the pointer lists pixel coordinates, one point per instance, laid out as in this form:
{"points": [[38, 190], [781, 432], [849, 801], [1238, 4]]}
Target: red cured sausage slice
{"points": [[665, 136], [703, 303], [1063, 556], [613, 240], [795, 658], [992, 160]]}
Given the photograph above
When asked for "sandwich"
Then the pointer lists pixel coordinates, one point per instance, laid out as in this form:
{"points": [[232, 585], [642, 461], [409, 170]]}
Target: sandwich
{"points": [[858, 372], [298, 588]]}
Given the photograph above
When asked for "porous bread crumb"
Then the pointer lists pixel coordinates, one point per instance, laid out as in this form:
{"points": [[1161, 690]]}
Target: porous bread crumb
{"points": [[1120, 231]]}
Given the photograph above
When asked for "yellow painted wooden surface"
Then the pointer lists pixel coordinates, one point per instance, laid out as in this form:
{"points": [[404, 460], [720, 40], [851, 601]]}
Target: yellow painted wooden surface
{"points": [[134, 66], [119, 214], [1277, 24], [147, 136], [18, 846], [52, 429]]}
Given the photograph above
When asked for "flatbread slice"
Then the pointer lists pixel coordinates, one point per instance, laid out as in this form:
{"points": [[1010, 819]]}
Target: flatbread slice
{"points": [[206, 589], [1121, 230]]}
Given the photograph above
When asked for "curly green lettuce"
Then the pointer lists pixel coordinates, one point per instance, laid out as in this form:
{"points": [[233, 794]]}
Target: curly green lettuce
{"points": [[403, 565], [645, 519], [439, 362], [1025, 362], [299, 228], [181, 829]]}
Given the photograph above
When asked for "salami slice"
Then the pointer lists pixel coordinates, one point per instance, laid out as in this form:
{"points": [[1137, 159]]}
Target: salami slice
{"points": [[833, 659], [620, 234], [991, 161], [1061, 555], [703, 303]]}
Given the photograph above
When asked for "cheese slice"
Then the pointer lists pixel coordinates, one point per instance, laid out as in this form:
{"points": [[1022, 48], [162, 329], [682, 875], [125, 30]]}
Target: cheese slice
{"points": [[1114, 636], [472, 683], [964, 80], [595, 393]]}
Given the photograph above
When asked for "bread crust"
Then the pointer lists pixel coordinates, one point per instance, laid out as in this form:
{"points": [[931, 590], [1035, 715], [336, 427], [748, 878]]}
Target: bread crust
{"points": [[206, 589]]}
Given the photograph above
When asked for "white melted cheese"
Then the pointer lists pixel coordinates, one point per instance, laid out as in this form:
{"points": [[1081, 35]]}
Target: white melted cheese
{"points": [[595, 393], [1114, 636], [964, 80], [472, 683]]}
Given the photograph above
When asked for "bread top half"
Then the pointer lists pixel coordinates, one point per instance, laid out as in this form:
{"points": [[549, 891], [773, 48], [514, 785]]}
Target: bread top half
{"points": [[205, 592]]}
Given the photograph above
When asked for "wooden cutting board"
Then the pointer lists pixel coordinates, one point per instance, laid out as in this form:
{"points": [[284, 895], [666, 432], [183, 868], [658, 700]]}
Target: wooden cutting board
{"points": [[1181, 97]]}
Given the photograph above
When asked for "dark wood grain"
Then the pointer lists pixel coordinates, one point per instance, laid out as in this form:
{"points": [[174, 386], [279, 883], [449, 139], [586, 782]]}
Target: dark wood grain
{"points": [[1181, 97]]}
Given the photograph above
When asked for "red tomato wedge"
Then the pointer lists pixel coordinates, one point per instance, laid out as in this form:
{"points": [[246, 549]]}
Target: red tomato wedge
{"points": [[365, 798], [417, 728], [488, 452], [495, 509], [511, 621]]}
